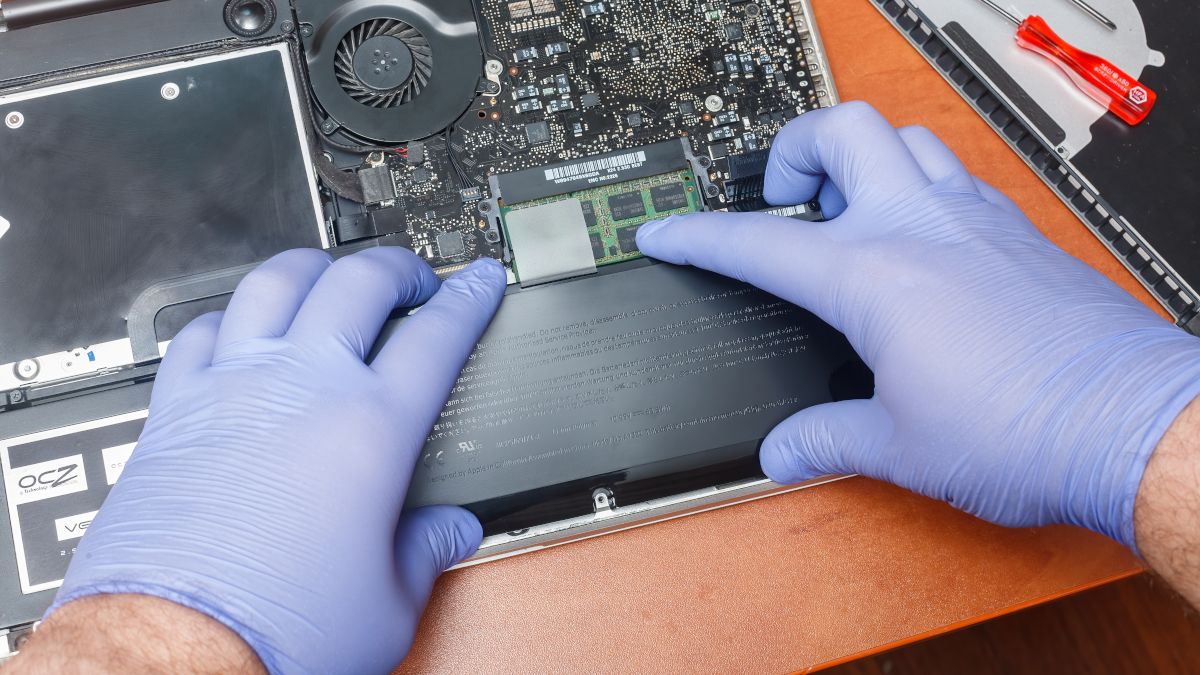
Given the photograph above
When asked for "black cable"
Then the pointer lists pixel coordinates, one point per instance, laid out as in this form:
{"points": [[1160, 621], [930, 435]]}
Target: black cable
{"points": [[463, 179]]}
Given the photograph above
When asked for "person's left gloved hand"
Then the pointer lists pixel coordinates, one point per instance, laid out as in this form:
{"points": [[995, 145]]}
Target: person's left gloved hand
{"points": [[266, 489]]}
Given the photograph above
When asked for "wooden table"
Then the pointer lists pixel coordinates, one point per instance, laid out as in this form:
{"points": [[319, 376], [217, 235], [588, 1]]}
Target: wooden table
{"points": [[797, 581]]}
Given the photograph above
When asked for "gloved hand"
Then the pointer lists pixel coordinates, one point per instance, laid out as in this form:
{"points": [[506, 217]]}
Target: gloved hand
{"points": [[267, 486], [1012, 380]]}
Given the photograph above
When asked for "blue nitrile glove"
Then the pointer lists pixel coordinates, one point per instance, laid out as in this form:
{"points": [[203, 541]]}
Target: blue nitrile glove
{"points": [[1012, 380], [267, 486]]}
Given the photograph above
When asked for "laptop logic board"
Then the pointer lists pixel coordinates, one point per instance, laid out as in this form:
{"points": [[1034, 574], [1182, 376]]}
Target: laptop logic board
{"points": [[566, 80]]}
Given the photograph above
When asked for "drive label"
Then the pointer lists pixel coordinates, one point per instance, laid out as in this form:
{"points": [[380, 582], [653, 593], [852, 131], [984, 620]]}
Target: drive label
{"points": [[45, 480], [72, 527], [54, 483], [114, 460]]}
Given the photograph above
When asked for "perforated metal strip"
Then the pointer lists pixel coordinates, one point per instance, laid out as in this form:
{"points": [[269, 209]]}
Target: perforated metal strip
{"points": [[1098, 215]]}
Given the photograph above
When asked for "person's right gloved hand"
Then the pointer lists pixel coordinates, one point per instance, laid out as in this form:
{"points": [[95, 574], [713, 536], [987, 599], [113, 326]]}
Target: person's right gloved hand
{"points": [[1012, 380]]}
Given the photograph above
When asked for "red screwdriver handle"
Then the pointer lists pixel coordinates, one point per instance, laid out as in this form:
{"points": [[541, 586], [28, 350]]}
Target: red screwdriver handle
{"points": [[1107, 84]]}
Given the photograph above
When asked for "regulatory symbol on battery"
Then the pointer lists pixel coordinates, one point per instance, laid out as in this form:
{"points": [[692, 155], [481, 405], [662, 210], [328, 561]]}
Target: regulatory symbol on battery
{"points": [[1138, 95]]}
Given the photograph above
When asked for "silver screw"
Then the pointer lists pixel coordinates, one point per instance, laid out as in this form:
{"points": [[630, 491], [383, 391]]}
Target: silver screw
{"points": [[714, 103], [493, 67], [27, 369], [14, 120], [170, 91]]}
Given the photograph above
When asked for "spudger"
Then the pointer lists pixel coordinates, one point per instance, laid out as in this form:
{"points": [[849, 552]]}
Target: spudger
{"points": [[1095, 14], [1105, 83]]}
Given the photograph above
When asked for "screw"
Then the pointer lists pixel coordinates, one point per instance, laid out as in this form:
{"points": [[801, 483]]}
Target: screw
{"points": [[287, 26], [306, 29], [704, 161], [169, 91], [16, 396], [327, 126], [492, 237], [14, 120], [484, 207], [711, 191], [493, 67], [26, 369]]}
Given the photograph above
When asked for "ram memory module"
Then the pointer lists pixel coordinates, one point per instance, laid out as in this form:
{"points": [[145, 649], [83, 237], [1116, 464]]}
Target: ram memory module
{"points": [[613, 213]]}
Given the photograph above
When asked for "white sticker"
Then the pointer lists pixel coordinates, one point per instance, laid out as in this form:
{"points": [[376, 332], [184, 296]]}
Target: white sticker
{"points": [[115, 459], [73, 527], [44, 480], [16, 448]]}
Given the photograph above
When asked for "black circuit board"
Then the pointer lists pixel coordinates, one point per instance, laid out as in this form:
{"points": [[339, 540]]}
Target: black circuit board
{"points": [[578, 79], [418, 195]]}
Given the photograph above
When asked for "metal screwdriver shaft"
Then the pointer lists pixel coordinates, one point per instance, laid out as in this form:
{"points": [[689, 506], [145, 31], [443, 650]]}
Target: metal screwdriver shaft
{"points": [[1100, 79], [1095, 14], [1002, 12]]}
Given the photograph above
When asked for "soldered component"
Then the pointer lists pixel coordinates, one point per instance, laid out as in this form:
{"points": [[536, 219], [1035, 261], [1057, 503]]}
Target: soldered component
{"points": [[529, 106]]}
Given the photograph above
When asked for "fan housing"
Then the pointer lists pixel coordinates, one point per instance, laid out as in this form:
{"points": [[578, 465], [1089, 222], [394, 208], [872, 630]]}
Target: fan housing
{"points": [[386, 73]]}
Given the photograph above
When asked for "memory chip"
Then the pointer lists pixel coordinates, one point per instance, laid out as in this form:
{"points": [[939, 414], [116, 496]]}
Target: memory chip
{"points": [[589, 214], [626, 205], [597, 245], [627, 238], [668, 197]]}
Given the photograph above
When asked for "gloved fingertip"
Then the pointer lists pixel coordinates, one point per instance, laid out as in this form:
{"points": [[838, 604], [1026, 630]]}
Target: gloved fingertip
{"points": [[484, 266], [833, 204], [647, 232], [469, 535], [487, 271], [781, 462], [444, 535], [454, 535]]}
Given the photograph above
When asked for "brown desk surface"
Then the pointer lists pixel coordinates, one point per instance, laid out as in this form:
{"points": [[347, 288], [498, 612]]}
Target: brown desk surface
{"points": [[800, 580]]}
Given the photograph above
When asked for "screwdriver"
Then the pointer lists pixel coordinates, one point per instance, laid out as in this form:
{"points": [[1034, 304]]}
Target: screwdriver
{"points": [[1095, 14], [1105, 83]]}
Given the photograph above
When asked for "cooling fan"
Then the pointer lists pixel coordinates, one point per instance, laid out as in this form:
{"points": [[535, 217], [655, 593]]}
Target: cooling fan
{"points": [[384, 63], [390, 72]]}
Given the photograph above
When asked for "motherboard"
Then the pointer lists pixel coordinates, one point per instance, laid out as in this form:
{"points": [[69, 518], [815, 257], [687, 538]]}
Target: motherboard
{"points": [[573, 88]]}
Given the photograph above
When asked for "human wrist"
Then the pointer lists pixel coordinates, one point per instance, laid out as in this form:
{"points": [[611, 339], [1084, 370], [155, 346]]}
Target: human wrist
{"points": [[1168, 506], [132, 633], [1125, 397]]}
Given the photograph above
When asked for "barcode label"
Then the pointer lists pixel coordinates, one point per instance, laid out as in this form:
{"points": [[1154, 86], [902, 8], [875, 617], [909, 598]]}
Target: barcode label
{"points": [[617, 163]]}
